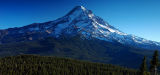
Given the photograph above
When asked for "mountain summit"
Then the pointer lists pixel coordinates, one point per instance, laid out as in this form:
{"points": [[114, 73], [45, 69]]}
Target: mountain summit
{"points": [[79, 21]]}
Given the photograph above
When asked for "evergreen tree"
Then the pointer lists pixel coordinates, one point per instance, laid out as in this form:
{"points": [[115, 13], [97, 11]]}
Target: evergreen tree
{"points": [[154, 64], [43, 65], [143, 67]]}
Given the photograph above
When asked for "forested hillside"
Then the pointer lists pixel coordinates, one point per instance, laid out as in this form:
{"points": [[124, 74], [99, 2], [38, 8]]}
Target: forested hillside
{"points": [[42, 65], [82, 49]]}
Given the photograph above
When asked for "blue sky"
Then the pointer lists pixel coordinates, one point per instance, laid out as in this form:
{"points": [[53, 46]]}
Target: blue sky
{"points": [[137, 17]]}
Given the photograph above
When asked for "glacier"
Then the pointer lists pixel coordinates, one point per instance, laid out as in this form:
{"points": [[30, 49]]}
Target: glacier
{"points": [[79, 21]]}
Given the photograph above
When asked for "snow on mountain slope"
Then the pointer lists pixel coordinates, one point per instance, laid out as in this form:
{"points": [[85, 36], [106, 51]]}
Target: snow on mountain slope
{"points": [[78, 21]]}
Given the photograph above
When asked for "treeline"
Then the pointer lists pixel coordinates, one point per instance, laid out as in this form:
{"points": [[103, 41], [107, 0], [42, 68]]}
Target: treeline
{"points": [[78, 48], [153, 68], [43, 65]]}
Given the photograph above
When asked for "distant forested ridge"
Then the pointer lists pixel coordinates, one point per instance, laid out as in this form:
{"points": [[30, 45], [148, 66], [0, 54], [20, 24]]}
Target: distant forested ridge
{"points": [[43, 65], [81, 49]]}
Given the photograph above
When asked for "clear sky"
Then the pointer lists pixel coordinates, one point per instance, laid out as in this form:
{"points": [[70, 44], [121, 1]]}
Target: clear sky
{"points": [[137, 17]]}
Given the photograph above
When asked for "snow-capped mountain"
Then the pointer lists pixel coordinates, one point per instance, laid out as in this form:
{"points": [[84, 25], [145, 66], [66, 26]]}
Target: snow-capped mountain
{"points": [[79, 21]]}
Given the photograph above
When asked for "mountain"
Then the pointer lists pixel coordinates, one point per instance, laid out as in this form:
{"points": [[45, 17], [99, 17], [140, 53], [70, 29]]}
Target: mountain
{"points": [[80, 35], [79, 21]]}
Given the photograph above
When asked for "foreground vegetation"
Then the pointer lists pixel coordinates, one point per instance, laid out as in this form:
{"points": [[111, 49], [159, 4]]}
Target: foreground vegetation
{"points": [[154, 65], [45, 65], [81, 49], [42, 65]]}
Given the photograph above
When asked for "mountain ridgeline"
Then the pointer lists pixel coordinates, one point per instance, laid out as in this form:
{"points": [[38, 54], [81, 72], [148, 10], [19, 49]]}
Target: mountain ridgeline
{"points": [[80, 35], [79, 21]]}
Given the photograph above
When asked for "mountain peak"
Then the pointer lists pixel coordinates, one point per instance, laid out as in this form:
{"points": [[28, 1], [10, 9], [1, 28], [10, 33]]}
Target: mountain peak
{"points": [[79, 21], [77, 10], [80, 7]]}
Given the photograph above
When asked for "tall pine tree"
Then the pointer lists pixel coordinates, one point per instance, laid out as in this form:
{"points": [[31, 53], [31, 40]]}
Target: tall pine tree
{"points": [[154, 64], [143, 67]]}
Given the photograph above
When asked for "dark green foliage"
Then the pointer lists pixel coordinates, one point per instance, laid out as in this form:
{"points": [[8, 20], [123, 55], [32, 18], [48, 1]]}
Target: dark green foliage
{"points": [[42, 65], [154, 64], [92, 50], [154, 61], [143, 67]]}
